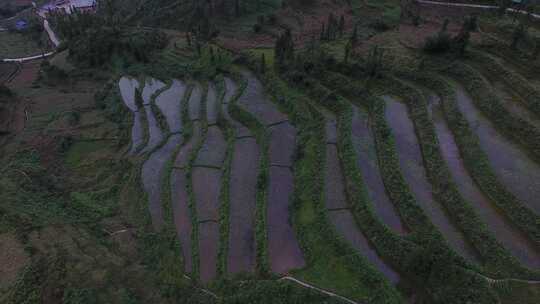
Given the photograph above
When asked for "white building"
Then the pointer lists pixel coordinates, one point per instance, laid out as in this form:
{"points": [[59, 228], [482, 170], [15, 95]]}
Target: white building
{"points": [[68, 6]]}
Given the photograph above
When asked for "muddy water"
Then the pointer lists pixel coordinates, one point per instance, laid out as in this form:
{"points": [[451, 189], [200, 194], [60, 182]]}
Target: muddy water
{"points": [[212, 152], [152, 172], [230, 91], [169, 102], [510, 237], [155, 134], [137, 133], [127, 91], [212, 105], [344, 222], [207, 187], [182, 215], [283, 249], [411, 162], [334, 187], [282, 143], [242, 194], [182, 158], [208, 248], [257, 103], [194, 103], [364, 145], [513, 167], [128, 86], [342, 219], [150, 88], [514, 104]]}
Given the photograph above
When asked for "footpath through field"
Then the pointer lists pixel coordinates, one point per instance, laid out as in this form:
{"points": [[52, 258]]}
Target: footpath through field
{"points": [[52, 37], [480, 6]]}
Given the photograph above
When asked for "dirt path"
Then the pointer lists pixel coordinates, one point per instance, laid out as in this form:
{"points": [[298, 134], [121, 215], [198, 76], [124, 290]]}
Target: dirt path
{"points": [[52, 37], [480, 6], [309, 286]]}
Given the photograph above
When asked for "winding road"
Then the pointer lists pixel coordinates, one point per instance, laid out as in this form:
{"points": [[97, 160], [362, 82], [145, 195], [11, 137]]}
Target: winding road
{"points": [[52, 37], [487, 7]]}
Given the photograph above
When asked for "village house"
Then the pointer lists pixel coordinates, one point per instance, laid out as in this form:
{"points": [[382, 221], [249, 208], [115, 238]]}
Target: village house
{"points": [[68, 6]]}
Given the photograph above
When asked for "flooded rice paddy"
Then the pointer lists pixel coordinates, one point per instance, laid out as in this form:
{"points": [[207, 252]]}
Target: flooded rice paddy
{"points": [[513, 167], [411, 163], [338, 207], [364, 145], [509, 236]]}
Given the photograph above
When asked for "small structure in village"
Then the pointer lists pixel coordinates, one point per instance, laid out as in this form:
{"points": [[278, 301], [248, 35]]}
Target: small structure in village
{"points": [[69, 6]]}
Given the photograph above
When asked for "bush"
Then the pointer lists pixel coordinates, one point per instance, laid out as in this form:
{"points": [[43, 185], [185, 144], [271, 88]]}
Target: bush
{"points": [[379, 25], [440, 43], [257, 28]]}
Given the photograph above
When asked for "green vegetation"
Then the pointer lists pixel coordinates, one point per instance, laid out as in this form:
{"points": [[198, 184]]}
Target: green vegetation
{"points": [[192, 200], [258, 129], [512, 79], [15, 45], [515, 128], [498, 262], [332, 261], [477, 162], [224, 221]]}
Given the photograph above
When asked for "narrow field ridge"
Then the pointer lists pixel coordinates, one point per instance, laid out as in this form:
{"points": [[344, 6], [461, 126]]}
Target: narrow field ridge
{"points": [[207, 175]]}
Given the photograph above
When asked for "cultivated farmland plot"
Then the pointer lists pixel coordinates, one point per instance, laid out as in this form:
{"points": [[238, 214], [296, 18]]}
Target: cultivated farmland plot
{"points": [[220, 161]]}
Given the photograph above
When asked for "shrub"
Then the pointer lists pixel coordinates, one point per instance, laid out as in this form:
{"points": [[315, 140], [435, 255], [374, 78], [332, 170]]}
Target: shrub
{"points": [[440, 43], [379, 25]]}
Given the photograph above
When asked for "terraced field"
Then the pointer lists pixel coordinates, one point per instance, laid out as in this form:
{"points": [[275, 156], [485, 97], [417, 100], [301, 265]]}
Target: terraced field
{"points": [[258, 179]]}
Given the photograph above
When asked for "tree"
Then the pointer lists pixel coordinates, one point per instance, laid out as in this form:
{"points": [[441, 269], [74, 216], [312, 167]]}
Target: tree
{"points": [[354, 36], [284, 49], [263, 64], [461, 41], [503, 6], [374, 63], [341, 27], [518, 34], [348, 48], [237, 8]]}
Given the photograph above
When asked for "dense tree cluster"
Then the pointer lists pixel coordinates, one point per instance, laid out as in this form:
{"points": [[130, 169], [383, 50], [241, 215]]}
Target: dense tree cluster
{"points": [[444, 42], [284, 49], [333, 28], [95, 39]]}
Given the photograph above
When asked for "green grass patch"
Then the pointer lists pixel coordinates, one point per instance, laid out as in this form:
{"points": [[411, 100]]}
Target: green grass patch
{"points": [[81, 150], [16, 45]]}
